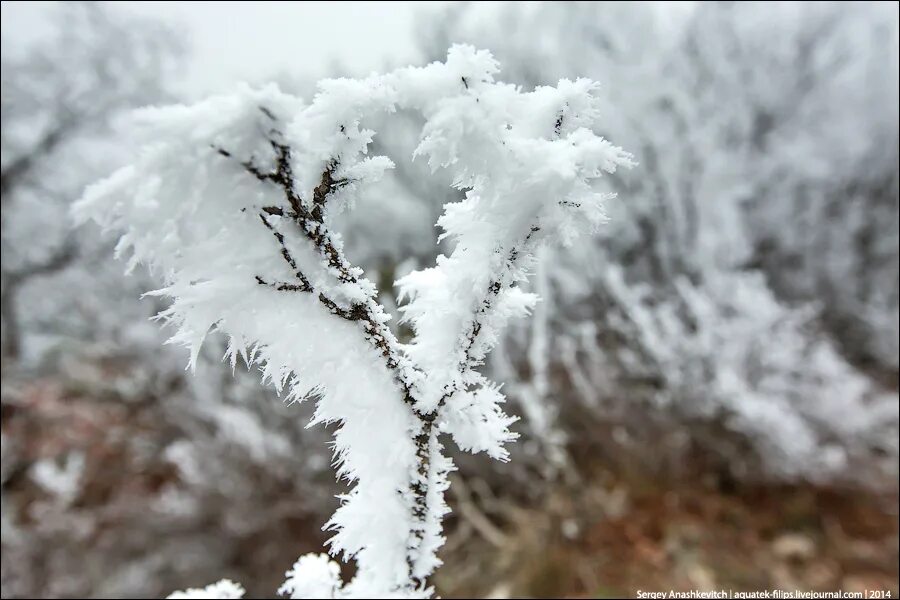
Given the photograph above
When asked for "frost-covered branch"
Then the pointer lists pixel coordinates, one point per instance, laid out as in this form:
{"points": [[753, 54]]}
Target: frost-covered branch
{"points": [[309, 219], [232, 201], [310, 223]]}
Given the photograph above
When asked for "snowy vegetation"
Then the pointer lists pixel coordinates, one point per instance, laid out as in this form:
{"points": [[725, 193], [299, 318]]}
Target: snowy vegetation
{"points": [[751, 279], [231, 201], [731, 328]]}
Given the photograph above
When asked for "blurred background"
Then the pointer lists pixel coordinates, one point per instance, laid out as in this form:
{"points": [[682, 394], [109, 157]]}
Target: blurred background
{"points": [[708, 392]]}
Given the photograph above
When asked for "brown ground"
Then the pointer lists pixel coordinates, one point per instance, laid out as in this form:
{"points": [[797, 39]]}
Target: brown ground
{"points": [[602, 534], [611, 540]]}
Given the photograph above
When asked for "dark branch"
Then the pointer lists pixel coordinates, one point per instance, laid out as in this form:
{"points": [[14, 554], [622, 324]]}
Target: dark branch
{"points": [[310, 222], [20, 167], [493, 291]]}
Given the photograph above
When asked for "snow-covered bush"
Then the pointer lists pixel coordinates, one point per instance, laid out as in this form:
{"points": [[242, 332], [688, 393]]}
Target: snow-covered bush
{"points": [[232, 202], [89, 397], [751, 280]]}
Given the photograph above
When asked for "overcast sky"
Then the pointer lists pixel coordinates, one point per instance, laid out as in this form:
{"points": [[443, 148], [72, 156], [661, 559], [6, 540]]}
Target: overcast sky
{"points": [[251, 41], [258, 41]]}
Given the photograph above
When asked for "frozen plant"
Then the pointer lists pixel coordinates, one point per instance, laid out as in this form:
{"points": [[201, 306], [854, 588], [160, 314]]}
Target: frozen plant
{"points": [[750, 283], [232, 201]]}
